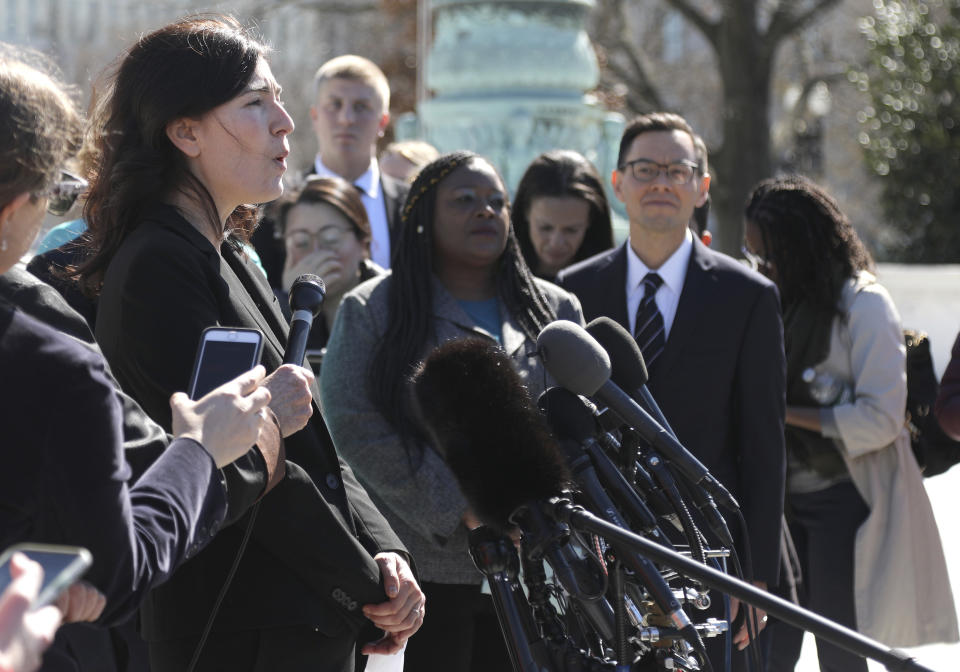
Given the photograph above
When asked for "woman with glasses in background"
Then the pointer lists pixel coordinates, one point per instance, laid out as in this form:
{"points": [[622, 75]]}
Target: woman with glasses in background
{"points": [[325, 232], [868, 545]]}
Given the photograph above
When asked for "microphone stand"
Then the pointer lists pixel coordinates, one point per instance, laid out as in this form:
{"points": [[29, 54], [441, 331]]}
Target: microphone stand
{"points": [[497, 559], [850, 640]]}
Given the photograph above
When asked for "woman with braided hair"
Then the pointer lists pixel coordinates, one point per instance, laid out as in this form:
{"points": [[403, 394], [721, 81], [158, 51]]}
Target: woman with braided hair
{"points": [[457, 272], [868, 545]]}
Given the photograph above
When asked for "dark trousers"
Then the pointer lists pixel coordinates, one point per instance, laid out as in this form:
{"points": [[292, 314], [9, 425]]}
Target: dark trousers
{"points": [[290, 648], [824, 527], [460, 633]]}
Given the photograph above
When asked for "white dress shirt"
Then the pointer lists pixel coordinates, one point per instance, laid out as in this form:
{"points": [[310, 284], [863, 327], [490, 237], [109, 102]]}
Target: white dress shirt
{"points": [[373, 201], [672, 271]]}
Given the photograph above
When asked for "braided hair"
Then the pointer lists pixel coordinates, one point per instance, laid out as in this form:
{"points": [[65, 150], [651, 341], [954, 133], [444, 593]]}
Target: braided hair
{"points": [[410, 299], [811, 243]]}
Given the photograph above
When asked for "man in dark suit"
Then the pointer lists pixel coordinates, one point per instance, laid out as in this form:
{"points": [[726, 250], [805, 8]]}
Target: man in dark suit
{"points": [[709, 329]]}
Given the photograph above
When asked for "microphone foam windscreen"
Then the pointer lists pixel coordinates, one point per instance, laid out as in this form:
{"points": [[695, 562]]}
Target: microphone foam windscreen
{"points": [[628, 368], [567, 415], [307, 293], [480, 416], [573, 357]]}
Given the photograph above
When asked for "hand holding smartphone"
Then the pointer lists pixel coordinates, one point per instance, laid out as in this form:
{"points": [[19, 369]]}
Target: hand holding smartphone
{"points": [[223, 354], [229, 397], [62, 566]]}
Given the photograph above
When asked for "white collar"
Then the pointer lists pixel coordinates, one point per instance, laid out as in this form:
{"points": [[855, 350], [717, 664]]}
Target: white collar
{"points": [[368, 183], [672, 271]]}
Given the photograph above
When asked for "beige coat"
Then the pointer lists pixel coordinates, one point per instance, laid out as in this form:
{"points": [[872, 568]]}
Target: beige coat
{"points": [[903, 594]]}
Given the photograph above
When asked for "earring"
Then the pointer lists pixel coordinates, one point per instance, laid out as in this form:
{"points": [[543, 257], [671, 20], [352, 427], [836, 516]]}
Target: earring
{"points": [[3, 245], [419, 230]]}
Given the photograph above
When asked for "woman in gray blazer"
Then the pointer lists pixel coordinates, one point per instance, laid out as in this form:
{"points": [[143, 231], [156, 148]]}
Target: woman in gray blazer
{"points": [[864, 530], [457, 272]]}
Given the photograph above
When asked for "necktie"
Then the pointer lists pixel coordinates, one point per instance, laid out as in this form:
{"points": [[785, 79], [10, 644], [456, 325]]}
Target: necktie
{"points": [[649, 332]]}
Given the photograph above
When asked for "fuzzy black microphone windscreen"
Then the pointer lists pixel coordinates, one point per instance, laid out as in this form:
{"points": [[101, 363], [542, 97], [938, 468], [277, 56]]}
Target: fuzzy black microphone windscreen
{"points": [[482, 420]]}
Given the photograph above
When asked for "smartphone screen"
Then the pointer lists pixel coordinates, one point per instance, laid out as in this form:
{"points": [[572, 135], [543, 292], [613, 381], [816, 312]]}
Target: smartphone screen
{"points": [[223, 355], [62, 565]]}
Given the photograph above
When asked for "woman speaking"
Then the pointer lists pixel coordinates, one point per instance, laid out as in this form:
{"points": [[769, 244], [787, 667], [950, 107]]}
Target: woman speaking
{"points": [[193, 132]]}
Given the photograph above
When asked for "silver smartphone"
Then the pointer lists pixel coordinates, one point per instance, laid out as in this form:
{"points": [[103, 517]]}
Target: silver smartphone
{"points": [[223, 354], [62, 566]]}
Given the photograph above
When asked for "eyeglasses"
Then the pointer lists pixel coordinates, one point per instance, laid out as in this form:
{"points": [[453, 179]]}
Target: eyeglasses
{"points": [[329, 236], [755, 261], [63, 193], [645, 170]]}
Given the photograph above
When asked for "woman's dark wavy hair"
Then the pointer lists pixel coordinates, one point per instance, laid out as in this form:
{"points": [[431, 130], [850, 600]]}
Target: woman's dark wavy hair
{"points": [[563, 173], [810, 241], [410, 300], [184, 69]]}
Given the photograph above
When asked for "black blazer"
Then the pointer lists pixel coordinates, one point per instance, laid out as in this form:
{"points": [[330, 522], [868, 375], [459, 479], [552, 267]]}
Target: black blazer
{"points": [[143, 439], [719, 381], [309, 561], [64, 477]]}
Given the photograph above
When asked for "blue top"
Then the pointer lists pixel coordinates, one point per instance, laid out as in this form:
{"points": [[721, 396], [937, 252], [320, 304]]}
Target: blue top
{"points": [[486, 314], [62, 234]]}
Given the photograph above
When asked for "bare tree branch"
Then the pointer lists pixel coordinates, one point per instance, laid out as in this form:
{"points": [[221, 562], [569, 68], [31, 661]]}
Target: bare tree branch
{"points": [[642, 93], [333, 6], [786, 21], [696, 17]]}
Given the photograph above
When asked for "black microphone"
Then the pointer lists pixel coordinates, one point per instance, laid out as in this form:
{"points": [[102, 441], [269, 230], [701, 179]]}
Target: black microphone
{"points": [[306, 299], [629, 371], [575, 426], [627, 368], [568, 415], [575, 359], [480, 417]]}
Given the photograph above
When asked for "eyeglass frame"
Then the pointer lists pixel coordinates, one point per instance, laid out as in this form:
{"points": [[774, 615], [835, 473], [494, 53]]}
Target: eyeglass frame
{"points": [[662, 169], [62, 193], [317, 238]]}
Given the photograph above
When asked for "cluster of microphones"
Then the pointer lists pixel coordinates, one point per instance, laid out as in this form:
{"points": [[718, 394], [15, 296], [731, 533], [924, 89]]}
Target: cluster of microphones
{"points": [[593, 478], [586, 447]]}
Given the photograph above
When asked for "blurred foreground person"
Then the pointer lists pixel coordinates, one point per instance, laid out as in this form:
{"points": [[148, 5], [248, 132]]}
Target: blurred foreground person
{"points": [[24, 633], [868, 545], [193, 130], [70, 487]]}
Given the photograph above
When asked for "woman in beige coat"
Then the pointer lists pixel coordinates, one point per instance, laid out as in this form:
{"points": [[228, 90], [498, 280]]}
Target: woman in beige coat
{"points": [[869, 548]]}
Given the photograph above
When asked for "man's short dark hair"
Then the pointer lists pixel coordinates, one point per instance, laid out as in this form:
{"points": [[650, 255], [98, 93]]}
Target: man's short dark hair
{"points": [[662, 121]]}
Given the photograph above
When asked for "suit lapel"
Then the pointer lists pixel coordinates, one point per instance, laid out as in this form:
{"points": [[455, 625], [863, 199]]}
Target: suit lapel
{"points": [[694, 299], [253, 299], [610, 289]]}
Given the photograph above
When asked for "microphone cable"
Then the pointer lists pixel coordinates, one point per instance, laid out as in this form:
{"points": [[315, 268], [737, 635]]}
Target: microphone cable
{"points": [[755, 657], [223, 590]]}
